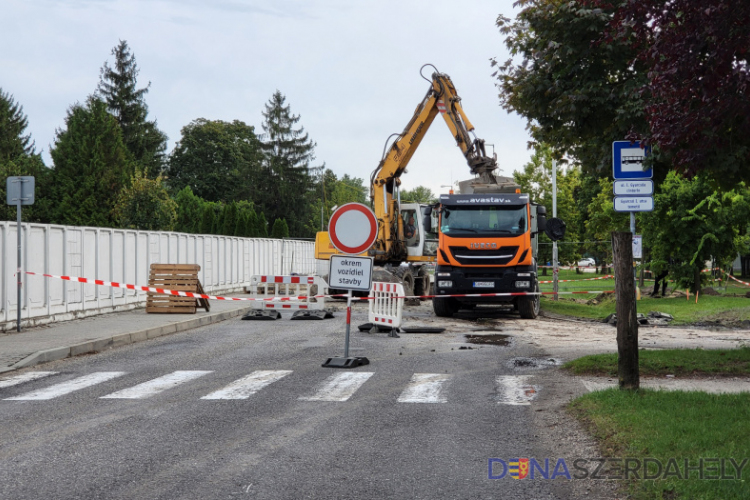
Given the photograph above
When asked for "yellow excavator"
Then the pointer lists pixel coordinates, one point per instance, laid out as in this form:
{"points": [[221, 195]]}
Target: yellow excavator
{"points": [[403, 234]]}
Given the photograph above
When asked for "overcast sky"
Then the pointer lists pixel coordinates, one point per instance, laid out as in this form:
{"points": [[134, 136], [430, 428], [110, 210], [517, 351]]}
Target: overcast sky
{"points": [[349, 68]]}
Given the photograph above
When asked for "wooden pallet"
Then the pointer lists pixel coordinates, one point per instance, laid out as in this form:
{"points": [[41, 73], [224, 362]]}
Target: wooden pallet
{"points": [[180, 277]]}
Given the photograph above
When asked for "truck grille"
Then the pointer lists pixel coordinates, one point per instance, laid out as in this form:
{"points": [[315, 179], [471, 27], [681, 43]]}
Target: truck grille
{"points": [[495, 257]]}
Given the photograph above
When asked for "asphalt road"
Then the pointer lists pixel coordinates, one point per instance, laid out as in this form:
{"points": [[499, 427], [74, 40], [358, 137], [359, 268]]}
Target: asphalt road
{"points": [[421, 421]]}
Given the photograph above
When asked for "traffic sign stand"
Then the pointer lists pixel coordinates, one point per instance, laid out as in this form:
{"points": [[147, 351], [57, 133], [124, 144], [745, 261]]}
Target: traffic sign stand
{"points": [[353, 229], [19, 191]]}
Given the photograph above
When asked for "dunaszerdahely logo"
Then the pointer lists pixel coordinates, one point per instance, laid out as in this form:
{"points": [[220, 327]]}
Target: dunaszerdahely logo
{"points": [[709, 468]]}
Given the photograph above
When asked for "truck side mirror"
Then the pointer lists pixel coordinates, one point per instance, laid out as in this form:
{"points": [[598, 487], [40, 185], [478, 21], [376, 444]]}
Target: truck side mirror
{"points": [[427, 223], [427, 219], [541, 222]]}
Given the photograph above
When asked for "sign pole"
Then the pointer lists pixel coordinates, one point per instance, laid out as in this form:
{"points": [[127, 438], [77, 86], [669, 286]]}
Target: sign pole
{"points": [[555, 264], [348, 322], [18, 272]]}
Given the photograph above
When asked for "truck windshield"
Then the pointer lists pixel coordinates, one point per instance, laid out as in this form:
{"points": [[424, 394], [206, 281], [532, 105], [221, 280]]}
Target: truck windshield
{"points": [[485, 220]]}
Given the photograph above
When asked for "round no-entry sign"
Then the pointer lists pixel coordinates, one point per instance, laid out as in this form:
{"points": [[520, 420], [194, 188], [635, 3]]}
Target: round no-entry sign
{"points": [[353, 228]]}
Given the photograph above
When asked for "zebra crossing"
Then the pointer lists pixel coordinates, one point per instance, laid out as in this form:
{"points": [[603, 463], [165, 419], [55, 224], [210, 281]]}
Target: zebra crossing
{"points": [[429, 388]]}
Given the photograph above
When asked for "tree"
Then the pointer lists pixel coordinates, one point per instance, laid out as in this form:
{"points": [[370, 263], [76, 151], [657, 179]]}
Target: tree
{"points": [[145, 205], [118, 88], [219, 161], [692, 223], [536, 180], [419, 194], [91, 166], [18, 157], [288, 153], [280, 229], [189, 211], [208, 219], [698, 75], [577, 95], [13, 123]]}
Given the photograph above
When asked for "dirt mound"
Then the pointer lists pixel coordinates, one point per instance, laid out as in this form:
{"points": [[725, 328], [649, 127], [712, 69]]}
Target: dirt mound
{"points": [[709, 291]]}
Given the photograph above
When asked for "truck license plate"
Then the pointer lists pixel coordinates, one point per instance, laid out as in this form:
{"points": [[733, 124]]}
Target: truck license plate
{"points": [[484, 284]]}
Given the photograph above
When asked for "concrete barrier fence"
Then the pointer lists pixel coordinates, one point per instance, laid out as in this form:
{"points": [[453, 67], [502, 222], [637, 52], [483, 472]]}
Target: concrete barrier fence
{"points": [[227, 265]]}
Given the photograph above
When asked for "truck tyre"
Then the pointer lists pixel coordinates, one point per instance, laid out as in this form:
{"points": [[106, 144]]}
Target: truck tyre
{"points": [[407, 279], [444, 307], [529, 306], [422, 282]]}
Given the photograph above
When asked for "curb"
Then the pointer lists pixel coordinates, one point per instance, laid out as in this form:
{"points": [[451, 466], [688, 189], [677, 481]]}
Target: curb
{"points": [[99, 345]]}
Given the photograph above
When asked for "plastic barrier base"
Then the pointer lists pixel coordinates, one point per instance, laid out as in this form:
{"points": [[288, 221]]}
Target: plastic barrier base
{"points": [[321, 314], [342, 362], [262, 315]]}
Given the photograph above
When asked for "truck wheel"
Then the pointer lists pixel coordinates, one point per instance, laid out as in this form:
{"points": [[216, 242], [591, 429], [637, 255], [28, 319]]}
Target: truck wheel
{"points": [[444, 307], [422, 282], [529, 306], [407, 279]]}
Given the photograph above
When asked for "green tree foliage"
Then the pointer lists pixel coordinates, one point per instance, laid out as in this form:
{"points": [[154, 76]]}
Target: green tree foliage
{"points": [[536, 179], [118, 88], [13, 122], [208, 219], [287, 181], [18, 157], [261, 227], [577, 94], [280, 229], [219, 161], [419, 194], [91, 166], [189, 211], [330, 192], [602, 219], [698, 68], [145, 204], [692, 223]]}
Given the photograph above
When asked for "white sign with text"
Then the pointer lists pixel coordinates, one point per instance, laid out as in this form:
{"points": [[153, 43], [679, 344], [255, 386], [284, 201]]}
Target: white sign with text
{"points": [[350, 273]]}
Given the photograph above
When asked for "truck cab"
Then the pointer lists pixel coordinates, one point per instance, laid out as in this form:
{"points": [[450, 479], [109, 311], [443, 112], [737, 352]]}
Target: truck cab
{"points": [[487, 249]]}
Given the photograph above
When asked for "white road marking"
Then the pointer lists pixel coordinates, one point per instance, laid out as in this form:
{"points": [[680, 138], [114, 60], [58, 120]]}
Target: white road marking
{"points": [[64, 388], [23, 377], [157, 385], [339, 387], [515, 389], [424, 388], [248, 385]]}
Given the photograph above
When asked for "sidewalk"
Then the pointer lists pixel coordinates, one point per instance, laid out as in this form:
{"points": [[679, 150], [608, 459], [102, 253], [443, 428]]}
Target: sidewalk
{"points": [[96, 333]]}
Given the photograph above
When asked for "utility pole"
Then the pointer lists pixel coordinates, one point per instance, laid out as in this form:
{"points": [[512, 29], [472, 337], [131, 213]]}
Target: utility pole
{"points": [[555, 266], [627, 317]]}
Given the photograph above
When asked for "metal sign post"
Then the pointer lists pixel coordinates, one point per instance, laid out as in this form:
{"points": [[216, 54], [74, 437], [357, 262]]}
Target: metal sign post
{"points": [[353, 229], [19, 191], [633, 188]]}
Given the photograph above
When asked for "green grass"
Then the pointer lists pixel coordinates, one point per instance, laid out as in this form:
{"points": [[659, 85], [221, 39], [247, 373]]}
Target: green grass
{"points": [[709, 309], [672, 424], [678, 362]]}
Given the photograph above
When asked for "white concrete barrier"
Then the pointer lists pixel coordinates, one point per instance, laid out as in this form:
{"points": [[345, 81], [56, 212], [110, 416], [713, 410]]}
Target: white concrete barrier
{"points": [[125, 256], [386, 304]]}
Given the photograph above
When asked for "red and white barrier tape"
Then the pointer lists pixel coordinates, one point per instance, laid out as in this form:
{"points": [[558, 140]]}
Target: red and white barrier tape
{"points": [[166, 291], [610, 276]]}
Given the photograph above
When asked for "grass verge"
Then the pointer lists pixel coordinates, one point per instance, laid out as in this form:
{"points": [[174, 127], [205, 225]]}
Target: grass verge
{"points": [[678, 362], [709, 309], [673, 424]]}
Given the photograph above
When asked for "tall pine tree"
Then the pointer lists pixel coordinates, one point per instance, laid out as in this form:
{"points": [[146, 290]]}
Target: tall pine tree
{"points": [[118, 88], [91, 166], [17, 157], [288, 153]]}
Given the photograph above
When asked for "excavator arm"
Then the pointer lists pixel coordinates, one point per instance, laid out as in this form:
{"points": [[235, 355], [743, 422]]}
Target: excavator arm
{"points": [[385, 180]]}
